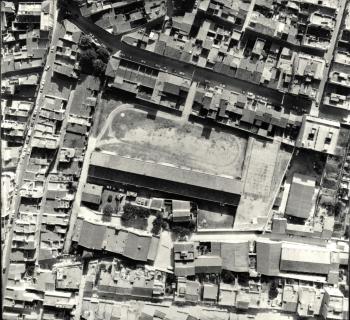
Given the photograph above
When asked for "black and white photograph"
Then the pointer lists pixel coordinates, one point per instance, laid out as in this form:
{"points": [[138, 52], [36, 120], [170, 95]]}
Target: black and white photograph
{"points": [[175, 159]]}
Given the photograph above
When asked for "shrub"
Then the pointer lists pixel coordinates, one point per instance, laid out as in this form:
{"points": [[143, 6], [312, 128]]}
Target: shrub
{"points": [[127, 215], [157, 224], [273, 292], [181, 231], [338, 208], [108, 210], [227, 276], [136, 210]]}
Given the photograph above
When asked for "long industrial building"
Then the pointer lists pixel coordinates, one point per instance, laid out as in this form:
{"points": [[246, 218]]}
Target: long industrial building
{"points": [[106, 169]]}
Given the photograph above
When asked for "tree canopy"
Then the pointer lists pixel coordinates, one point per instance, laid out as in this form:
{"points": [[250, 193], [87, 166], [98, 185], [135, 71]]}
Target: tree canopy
{"points": [[92, 60]]}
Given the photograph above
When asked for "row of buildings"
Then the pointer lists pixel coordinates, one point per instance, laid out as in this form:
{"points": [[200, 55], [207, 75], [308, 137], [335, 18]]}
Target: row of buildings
{"points": [[120, 17], [26, 35], [148, 84], [306, 25], [336, 104], [50, 294], [26, 32], [309, 273], [242, 49], [56, 151]]}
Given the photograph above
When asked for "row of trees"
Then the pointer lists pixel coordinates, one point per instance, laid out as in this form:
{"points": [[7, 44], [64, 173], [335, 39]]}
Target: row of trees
{"points": [[130, 212], [92, 60], [135, 216]]}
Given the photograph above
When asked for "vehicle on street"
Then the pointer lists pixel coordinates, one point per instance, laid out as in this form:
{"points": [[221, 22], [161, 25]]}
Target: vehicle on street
{"points": [[47, 68]]}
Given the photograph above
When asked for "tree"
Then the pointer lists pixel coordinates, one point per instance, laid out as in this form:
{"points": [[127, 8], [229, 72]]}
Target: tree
{"points": [[127, 215], [273, 292], [108, 210], [338, 208], [181, 231], [227, 276], [136, 210], [85, 42], [99, 66], [88, 55], [347, 232], [103, 54], [86, 61], [109, 198], [157, 224]]}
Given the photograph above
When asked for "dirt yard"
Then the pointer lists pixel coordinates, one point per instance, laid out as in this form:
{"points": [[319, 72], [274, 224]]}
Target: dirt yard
{"points": [[133, 132]]}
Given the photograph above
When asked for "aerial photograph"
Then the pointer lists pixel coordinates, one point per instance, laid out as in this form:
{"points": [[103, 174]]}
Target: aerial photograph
{"points": [[175, 159]]}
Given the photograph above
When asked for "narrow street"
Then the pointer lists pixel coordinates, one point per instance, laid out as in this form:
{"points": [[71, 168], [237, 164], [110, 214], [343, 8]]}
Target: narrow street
{"points": [[171, 65]]}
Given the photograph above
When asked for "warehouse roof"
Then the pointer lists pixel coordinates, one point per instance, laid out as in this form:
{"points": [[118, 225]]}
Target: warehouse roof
{"points": [[166, 172], [302, 258]]}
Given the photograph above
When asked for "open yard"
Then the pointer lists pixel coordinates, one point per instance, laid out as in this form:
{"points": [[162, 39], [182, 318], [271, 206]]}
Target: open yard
{"points": [[135, 132], [60, 87], [210, 217], [307, 163]]}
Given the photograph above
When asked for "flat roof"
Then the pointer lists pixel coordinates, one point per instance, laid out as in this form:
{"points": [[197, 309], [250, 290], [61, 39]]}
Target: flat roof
{"points": [[268, 256], [301, 195], [235, 256], [307, 259], [318, 134], [92, 235], [166, 172]]}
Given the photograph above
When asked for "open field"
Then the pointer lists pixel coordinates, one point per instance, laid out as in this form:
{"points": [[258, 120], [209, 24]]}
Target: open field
{"points": [[135, 132]]}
